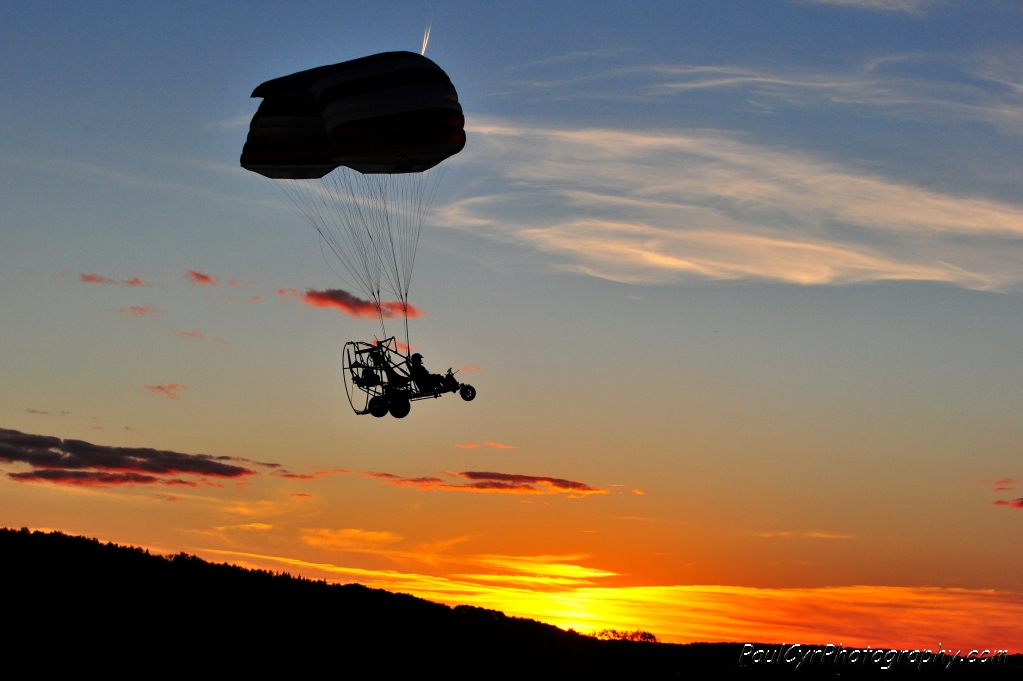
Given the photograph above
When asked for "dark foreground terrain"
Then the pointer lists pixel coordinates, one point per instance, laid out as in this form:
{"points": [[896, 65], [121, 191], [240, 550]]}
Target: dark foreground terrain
{"points": [[74, 604]]}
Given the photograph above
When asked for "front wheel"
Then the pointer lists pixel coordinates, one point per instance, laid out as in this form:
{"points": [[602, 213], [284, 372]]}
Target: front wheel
{"points": [[400, 407], [467, 392]]}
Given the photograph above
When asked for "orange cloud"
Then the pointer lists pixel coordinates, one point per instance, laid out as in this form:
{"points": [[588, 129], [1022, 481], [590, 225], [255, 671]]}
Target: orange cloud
{"points": [[197, 334], [1005, 485], [348, 538], [251, 299], [169, 390], [350, 304], [499, 483], [498, 445], [301, 494], [515, 482], [398, 481], [341, 300], [786, 534], [94, 278], [470, 445], [638, 491], [136, 311], [200, 279], [469, 367], [309, 476], [548, 566]]}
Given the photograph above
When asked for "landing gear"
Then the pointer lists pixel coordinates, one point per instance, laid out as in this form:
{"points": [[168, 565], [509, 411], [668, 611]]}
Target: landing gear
{"points": [[377, 406], [467, 392], [400, 406]]}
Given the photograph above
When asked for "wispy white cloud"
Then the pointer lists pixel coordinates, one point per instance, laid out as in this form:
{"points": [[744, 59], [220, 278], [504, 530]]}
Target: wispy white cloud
{"points": [[241, 121], [981, 87], [152, 179], [655, 206], [907, 6], [571, 56], [977, 89]]}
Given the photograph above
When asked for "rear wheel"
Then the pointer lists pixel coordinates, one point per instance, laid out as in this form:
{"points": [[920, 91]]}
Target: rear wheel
{"points": [[377, 406], [467, 392], [400, 407]]}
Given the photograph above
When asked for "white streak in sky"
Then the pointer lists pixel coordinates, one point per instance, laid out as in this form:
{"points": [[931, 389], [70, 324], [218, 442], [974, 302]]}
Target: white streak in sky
{"points": [[426, 39]]}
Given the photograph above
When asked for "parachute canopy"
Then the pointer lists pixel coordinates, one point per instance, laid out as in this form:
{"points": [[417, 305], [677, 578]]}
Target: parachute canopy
{"points": [[395, 112], [350, 147]]}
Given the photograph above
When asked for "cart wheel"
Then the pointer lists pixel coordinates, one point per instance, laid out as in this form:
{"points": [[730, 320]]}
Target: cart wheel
{"points": [[467, 392], [378, 406], [400, 407]]}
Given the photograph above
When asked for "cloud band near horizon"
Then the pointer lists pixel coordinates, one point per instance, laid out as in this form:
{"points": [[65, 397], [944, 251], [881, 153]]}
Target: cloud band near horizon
{"points": [[482, 481], [76, 462]]}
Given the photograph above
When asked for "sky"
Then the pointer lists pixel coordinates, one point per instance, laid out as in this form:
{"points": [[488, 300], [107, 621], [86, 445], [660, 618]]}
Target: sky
{"points": [[739, 285]]}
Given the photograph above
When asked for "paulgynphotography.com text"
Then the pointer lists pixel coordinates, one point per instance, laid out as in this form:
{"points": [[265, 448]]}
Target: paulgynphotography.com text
{"points": [[797, 655]]}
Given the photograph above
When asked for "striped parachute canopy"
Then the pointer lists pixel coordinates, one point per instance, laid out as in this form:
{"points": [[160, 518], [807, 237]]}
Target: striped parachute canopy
{"points": [[395, 112], [350, 147]]}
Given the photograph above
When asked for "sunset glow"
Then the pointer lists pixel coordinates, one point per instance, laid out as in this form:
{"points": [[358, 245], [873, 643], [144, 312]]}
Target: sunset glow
{"points": [[718, 310], [905, 617]]}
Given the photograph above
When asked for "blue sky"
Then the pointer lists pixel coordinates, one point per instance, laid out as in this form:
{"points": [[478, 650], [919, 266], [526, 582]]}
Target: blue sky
{"points": [[920, 94]]}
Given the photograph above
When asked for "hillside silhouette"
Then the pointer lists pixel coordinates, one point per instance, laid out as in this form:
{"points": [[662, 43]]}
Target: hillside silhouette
{"points": [[75, 603]]}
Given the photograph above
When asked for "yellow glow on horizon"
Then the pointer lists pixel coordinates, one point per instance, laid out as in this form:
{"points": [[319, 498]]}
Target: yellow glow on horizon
{"points": [[879, 616]]}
